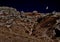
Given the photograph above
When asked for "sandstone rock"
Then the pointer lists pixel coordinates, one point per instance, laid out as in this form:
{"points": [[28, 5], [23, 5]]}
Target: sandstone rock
{"points": [[28, 26]]}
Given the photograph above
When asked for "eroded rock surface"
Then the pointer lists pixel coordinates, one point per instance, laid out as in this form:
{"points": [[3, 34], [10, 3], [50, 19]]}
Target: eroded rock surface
{"points": [[22, 26]]}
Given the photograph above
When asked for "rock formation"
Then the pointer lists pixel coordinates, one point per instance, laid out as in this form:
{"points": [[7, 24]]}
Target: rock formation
{"points": [[33, 26]]}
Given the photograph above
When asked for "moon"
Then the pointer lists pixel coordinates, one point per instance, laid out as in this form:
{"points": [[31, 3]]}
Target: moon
{"points": [[46, 7]]}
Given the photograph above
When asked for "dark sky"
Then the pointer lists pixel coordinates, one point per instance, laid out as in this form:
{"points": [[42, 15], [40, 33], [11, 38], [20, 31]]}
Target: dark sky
{"points": [[30, 5]]}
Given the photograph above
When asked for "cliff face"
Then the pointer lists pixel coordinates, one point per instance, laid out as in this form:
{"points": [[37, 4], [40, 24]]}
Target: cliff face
{"points": [[22, 26]]}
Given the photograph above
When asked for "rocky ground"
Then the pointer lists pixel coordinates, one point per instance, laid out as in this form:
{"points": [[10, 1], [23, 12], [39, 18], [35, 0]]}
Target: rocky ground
{"points": [[22, 26]]}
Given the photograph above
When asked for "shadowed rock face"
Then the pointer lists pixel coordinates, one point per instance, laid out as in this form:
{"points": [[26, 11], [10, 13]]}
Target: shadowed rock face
{"points": [[57, 33], [22, 26]]}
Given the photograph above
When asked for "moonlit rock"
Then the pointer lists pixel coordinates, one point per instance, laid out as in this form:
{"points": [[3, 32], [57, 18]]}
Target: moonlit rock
{"points": [[58, 21], [8, 26], [22, 12], [35, 12], [58, 27], [53, 12], [1, 12]]}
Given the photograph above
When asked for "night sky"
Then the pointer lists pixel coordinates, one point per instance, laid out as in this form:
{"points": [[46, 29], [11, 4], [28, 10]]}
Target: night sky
{"points": [[31, 5]]}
